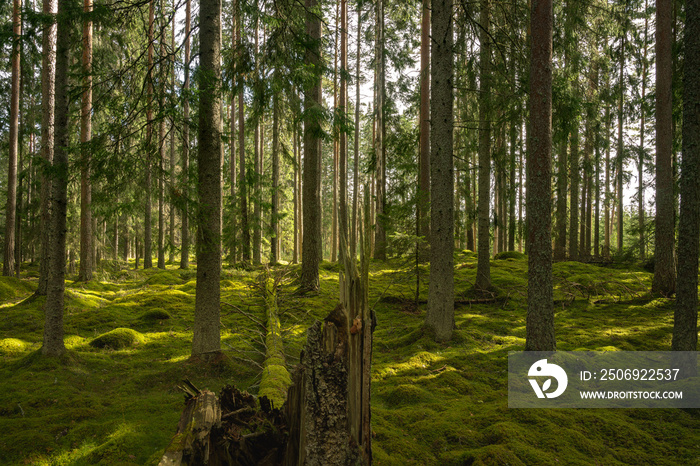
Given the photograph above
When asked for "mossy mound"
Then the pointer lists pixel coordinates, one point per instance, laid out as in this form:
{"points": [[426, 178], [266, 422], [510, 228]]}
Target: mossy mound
{"points": [[118, 338], [156, 314], [12, 347], [163, 277], [12, 288], [509, 255]]}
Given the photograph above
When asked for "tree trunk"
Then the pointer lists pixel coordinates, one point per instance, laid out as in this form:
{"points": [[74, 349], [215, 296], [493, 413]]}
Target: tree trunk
{"points": [[606, 201], [562, 190], [424, 153], [85, 272], [243, 185], [574, 174], [380, 144], [8, 265], [274, 224], [311, 248], [56, 267], [620, 142], [147, 254], [483, 270], [356, 165], [685, 322], [440, 316], [206, 335], [171, 255], [48, 72], [664, 281], [161, 152], [257, 146], [185, 239], [540, 305]]}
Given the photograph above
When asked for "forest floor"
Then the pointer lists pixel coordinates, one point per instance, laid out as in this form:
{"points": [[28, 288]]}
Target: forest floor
{"points": [[119, 404]]}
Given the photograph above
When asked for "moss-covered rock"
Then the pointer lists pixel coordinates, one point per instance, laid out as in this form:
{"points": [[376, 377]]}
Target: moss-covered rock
{"points": [[118, 338], [12, 288]]}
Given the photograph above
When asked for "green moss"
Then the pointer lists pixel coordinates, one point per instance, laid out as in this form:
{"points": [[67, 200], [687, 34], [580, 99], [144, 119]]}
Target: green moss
{"points": [[12, 347], [118, 338], [156, 314], [510, 255], [13, 288]]}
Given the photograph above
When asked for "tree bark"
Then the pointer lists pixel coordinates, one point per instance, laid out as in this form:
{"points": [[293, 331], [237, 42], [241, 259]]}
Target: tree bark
{"points": [[440, 316], [274, 223], [424, 153], [185, 235], [380, 144], [243, 184], [540, 305], [664, 281], [620, 141], [562, 190], [574, 174], [48, 74], [8, 265], [343, 139], [53, 327], [311, 247], [356, 164], [147, 254], [206, 335], [685, 322], [86, 259], [171, 255], [483, 270]]}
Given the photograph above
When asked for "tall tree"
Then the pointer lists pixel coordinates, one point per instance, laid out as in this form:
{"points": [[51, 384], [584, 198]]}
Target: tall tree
{"points": [[86, 259], [242, 189], [311, 205], [274, 217], [640, 160], [343, 139], [540, 306], [162, 58], [424, 125], [206, 335], [620, 164], [48, 74], [147, 254], [53, 309], [356, 161], [8, 265], [185, 230], [685, 322], [171, 255], [257, 151], [664, 281], [380, 140], [483, 269], [440, 316]]}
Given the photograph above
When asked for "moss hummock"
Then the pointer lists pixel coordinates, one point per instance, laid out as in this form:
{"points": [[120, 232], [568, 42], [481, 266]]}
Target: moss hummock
{"points": [[117, 339]]}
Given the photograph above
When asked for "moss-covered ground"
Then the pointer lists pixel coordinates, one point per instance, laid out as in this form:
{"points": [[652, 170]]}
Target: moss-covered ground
{"points": [[117, 403]]}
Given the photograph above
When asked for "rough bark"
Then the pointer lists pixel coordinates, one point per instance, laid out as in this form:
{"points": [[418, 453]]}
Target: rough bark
{"points": [[483, 269], [664, 281], [206, 335], [147, 254], [562, 185], [440, 316], [424, 153], [86, 259], [274, 223], [685, 322], [8, 265], [243, 185], [56, 267], [540, 306], [185, 231], [380, 144], [574, 174], [356, 161], [171, 254], [48, 73], [257, 156], [161, 153], [311, 247], [343, 137], [620, 142]]}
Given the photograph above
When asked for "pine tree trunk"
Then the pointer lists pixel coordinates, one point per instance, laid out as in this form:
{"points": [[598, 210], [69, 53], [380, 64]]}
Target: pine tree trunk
{"points": [[311, 247], [540, 306], [664, 281], [380, 144], [161, 155], [147, 254], [356, 165], [621, 145], [483, 270], [440, 316], [185, 235], [8, 266], [86, 259], [608, 197], [424, 124], [343, 137], [56, 267], [685, 322], [48, 73], [562, 190], [206, 335], [243, 185], [274, 224], [171, 189], [257, 145], [574, 174]]}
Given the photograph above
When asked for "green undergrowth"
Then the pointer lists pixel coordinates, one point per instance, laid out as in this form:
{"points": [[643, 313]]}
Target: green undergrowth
{"points": [[432, 403]]}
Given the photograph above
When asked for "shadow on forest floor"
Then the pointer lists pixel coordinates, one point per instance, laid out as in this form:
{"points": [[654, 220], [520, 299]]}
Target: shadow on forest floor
{"points": [[432, 403]]}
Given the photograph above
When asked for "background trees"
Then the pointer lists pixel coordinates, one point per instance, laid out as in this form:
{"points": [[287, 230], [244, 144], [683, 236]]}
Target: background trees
{"points": [[284, 140]]}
